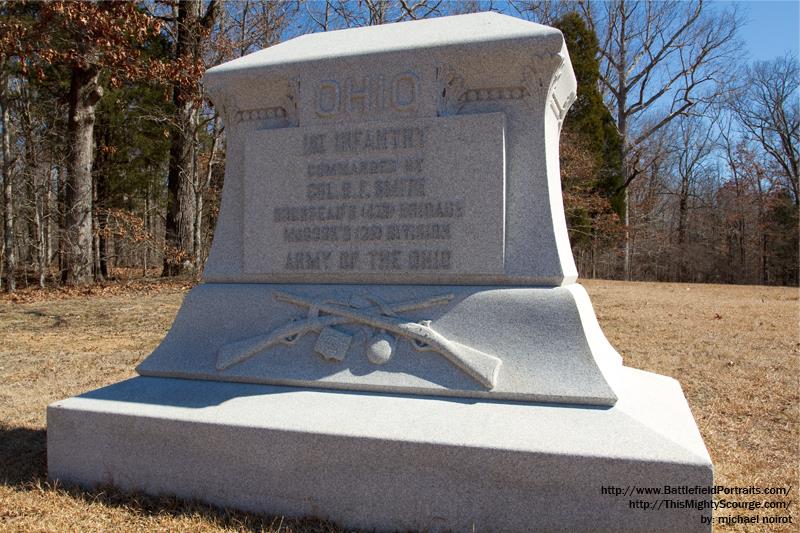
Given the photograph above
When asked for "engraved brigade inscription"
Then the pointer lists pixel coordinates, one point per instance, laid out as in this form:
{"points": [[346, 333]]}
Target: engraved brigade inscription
{"points": [[423, 196]]}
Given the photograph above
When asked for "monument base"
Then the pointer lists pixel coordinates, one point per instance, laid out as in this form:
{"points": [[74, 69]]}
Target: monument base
{"points": [[392, 462]]}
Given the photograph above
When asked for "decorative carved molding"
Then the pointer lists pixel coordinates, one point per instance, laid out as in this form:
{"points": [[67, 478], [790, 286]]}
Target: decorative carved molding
{"points": [[382, 320], [560, 108], [542, 77], [220, 98], [451, 85], [283, 96], [260, 114], [494, 93], [539, 78], [291, 100]]}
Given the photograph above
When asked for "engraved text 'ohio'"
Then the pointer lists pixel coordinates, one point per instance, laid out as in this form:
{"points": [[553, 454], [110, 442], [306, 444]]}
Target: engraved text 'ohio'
{"points": [[367, 94]]}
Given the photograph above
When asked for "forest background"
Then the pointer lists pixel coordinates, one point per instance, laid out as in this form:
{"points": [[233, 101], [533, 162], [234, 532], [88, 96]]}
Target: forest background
{"points": [[680, 157]]}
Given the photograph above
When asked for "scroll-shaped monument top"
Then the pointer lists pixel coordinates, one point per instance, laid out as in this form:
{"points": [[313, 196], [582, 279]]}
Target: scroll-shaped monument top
{"points": [[355, 157]]}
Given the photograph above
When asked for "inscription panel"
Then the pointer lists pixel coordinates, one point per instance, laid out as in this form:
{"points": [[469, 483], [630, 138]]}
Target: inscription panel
{"points": [[396, 200]]}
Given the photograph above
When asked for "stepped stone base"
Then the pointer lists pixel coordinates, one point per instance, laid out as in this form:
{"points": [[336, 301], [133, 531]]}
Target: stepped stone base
{"points": [[390, 462]]}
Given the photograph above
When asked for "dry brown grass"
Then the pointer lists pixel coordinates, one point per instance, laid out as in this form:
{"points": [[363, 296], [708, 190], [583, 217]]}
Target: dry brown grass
{"points": [[734, 349]]}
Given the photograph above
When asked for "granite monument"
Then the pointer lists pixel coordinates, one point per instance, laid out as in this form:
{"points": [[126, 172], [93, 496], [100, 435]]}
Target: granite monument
{"points": [[389, 333]]}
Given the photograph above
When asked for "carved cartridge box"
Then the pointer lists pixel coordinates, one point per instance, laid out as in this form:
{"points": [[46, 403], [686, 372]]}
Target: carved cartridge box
{"points": [[392, 220]]}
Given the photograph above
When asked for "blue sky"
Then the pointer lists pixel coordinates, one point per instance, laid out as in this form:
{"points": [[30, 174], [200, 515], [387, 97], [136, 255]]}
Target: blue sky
{"points": [[772, 27]]}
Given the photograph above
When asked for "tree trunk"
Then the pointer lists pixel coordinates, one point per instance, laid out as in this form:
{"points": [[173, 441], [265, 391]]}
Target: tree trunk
{"points": [[98, 277], [626, 267], [35, 191], [47, 209], [198, 233], [83, 97], [683, 209], [47, 219], [742, 251], [62, 224], [146, 218], [102, 243], [179, 246], [96, 235], [9, 260], [181, 203], [197, 237], [622, 126], [103, 193], [38, 226]]}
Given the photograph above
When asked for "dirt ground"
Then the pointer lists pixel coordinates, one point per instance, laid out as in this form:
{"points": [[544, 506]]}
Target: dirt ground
{"points": [[734, 349]]}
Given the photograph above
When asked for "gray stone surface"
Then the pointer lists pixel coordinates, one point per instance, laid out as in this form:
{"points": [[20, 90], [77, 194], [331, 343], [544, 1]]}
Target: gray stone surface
{"points": [[389, 462], [399, 200], [489, 91], [547, 340], [392, 225], [380, 172]]}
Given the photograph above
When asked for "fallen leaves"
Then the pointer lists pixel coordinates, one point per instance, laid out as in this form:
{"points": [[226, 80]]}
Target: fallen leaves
{"points": [[131, 288]]}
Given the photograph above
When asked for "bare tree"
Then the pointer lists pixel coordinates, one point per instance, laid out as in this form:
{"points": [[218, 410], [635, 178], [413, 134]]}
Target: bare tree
{"points": [[543, 11], [336, 14], [9, 259], [658, 59], [191, 23], [37, 182], [241, 28], [693, 142], [742, 204], [766, 106]]}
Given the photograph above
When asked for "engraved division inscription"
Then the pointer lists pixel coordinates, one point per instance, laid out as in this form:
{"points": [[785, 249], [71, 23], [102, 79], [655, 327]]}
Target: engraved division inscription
{"points": [[395, 199]]}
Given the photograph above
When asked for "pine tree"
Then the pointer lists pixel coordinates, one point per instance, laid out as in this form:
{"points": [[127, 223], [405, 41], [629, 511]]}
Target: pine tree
{"points": [[131, 160], [589, 115]]}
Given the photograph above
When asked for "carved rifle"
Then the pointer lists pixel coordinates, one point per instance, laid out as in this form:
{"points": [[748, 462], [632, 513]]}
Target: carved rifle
{"points": [[238, 351], [479, 365]]}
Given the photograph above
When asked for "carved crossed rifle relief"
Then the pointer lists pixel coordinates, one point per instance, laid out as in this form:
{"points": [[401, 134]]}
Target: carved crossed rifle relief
{"points": [[384, 327]]}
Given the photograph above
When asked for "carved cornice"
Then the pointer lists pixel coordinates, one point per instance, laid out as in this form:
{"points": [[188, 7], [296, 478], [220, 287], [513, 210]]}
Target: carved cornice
{"points": [[494, 93], [542, 77], [541, 74], [278, 104], [220, 98], [539, 79], [264, 113], [450, 86]]}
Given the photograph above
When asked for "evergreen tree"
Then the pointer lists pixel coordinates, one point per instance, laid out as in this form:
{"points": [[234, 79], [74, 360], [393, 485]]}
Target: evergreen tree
{"points": [[589, 116], [130, 165], [590, 146]]}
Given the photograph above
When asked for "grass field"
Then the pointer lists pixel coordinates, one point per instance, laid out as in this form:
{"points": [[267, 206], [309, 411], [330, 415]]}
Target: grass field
{"points": [[734, 349]]}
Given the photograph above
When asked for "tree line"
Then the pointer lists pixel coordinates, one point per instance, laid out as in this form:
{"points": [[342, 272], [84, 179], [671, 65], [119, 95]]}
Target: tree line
{"points": [[679, 157]]}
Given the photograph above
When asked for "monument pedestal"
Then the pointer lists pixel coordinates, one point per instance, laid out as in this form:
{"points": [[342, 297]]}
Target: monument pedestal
{"points": [[547, 342], [391, 462]]}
